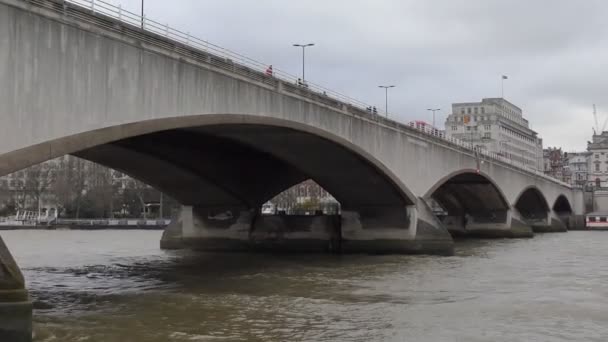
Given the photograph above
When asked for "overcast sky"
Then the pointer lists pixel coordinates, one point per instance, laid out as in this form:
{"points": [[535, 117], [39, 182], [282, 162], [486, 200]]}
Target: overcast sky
{"points": [[436, 52]]}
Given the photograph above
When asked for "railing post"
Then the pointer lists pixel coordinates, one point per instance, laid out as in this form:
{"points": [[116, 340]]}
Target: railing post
{"points": [[93, 6], [188, 38], [167, 30], [119, 13]]}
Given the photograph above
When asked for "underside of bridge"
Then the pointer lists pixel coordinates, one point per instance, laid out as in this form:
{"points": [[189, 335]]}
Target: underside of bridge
{"points": [[535, 212], [222, 174], [471, 205], [563, 210]]}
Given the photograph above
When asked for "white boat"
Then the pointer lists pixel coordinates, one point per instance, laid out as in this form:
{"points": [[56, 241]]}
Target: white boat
{"points": [[597, 220]]}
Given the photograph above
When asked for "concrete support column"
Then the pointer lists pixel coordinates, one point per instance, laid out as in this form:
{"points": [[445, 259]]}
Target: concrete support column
{"points": [[548, 222], [15, 304], [501, 224], [236, 229], [407, 230]]}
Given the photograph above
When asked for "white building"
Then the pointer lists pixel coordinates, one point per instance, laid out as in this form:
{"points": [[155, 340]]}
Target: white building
{"points": [[578, 167], [598, 160], [496, 125]]}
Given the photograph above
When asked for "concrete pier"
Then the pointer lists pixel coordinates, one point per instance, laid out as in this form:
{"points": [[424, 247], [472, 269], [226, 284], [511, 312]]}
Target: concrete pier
{"points": [[403, 231], [15, 304], [506, 226]]}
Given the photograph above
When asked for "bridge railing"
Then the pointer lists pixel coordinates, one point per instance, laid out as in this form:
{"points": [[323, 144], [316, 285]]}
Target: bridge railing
{"points": [[218, 55], [144, 29]]}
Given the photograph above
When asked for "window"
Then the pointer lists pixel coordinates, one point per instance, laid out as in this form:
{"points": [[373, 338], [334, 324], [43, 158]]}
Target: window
{"points": [[475, 110], [461, 110], [454, 128], [468, 110], [483, 110], [475, 118], [487, 127], [598, 183], [602, 218], [468, 128], [597, 156], [592, 219], [487, 135], [597, 167]]}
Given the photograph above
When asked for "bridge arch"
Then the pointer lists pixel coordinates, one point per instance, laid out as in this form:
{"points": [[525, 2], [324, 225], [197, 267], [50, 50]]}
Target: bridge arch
{"points": [[562, 205], [294, 152], [531, 204], [468, 197]]}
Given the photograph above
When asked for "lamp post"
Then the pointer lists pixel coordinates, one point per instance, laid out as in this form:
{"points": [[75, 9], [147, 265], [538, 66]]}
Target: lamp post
{"points": [[386, 88], [304, 46], [142, 14], [434, 110]]}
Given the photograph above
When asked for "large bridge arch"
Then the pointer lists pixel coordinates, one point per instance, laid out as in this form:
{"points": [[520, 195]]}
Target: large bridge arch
{"points": [[468, 198], [116, 145], [562, 205], [531, 203]]}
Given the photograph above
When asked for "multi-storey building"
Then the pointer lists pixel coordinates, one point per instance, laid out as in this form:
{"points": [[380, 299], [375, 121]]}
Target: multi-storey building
{"points": [[555, 163], [496, 125], [598, 160], [578, 166]]}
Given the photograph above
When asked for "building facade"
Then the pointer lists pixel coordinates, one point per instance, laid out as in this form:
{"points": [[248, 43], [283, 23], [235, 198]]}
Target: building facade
{"points": [[578, 167], [598, 160], [498, 126], [555, 164]]}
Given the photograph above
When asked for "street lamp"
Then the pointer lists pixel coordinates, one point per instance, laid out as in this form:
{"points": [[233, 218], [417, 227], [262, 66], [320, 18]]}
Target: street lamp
{"points": [[303, 46], [386, 88], [142, 14], [434, 110]]}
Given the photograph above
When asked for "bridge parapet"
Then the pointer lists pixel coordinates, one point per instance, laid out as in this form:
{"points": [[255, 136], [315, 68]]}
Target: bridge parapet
{"points": [[161, 36]]}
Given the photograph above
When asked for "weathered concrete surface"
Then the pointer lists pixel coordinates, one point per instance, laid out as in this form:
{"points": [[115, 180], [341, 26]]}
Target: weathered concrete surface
{"points": [[552, 224], [15, 304], [412, 232]]}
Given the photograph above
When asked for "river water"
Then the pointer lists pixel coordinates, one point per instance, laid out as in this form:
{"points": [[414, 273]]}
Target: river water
{"points": [[118, 286]]}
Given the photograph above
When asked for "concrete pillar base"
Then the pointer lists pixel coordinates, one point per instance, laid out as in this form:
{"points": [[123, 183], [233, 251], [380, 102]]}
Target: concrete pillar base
{"points": [[15, 316], [577, 222], [242, 231], [387, 231], [517, 230], [556, 226], [412, 230], [172, 236], [15, 305]]}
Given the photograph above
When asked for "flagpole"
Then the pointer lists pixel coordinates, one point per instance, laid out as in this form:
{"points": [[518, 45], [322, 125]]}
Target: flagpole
{"points": [[502, 87]]}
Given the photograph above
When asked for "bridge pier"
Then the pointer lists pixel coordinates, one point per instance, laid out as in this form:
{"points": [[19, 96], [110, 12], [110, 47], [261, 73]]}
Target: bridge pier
{"points": [[409, 230], [15, 304], [238, 230], [551, 223], [500, 224]]}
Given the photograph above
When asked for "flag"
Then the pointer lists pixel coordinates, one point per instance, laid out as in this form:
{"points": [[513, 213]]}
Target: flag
{"points": [[269, 71], [504, 77]]}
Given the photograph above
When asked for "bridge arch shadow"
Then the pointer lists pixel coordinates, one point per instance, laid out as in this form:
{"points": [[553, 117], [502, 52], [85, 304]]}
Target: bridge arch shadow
{"points": [[235, 160], [532, 205], [562, 206], [468, 200]]}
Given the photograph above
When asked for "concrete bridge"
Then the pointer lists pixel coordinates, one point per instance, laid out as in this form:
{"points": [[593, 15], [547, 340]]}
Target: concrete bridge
{"points": [[223, 138]]}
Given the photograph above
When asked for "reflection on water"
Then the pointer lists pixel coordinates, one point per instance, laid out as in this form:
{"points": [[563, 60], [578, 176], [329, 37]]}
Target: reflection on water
{"points": [[118, 286]]}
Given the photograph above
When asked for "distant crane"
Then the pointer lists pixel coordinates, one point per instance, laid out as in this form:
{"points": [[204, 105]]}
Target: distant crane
{"points": [[596, 129]]}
